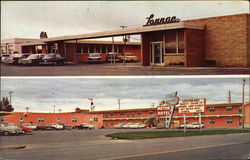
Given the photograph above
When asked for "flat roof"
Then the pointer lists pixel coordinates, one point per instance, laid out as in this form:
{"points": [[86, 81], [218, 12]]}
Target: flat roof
{"points": [[103, 42], [130, 31]]}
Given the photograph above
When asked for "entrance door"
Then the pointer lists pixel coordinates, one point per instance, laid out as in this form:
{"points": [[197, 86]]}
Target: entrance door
{"points": [[157, 53]]}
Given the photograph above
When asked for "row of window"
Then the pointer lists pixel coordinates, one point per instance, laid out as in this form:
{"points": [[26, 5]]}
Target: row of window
{"points": [[41, 119], [228, 121], [128, 114], [229, 108]]}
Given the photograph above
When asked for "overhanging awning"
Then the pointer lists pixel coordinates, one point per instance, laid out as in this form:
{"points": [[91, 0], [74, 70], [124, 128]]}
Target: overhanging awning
{"points": [[130, 31]]}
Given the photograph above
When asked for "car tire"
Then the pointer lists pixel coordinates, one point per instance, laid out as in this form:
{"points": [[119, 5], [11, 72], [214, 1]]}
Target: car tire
{"points": [[5, 133]]}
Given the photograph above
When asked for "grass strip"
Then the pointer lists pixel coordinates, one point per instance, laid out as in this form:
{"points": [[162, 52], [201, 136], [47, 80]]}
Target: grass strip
{"points": [[164, 134]]}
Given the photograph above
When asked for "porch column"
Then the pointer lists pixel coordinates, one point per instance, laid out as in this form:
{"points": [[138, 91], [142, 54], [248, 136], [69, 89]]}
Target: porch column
{"points": [[145, 49]]}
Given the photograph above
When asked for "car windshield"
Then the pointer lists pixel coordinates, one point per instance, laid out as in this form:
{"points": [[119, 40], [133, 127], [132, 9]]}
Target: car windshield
{"points": [[94, 55], [129, 54]]}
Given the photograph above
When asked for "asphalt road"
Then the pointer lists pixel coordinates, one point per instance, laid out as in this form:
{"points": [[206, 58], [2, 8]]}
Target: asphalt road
{"points": [[133, 69], [91, 144]]}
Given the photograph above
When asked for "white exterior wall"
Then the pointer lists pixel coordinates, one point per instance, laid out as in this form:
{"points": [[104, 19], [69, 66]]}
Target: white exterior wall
{"points": [[14, 45]]}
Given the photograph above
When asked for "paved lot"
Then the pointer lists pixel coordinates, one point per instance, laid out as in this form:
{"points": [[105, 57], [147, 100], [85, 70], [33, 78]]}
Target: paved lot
{"points": [[91, 144], [133, 69]]}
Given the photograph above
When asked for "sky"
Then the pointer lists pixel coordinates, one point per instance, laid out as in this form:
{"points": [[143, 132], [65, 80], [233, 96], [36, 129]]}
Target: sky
{"points": [[41, 94], [26, 19]]}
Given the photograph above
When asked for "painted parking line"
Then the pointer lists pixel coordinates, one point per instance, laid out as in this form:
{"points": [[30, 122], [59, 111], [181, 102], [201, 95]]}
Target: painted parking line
{"points": [[177, 150]]}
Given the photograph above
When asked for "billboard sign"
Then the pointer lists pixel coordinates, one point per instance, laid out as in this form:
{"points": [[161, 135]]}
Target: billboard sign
{"points": [[194, 105]]}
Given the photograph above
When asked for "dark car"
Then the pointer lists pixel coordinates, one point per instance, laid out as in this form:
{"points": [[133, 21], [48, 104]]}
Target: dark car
{"points": [[33, 59], [83, 126], [113, 57], [94, 58], [14, 58], [53, 58]]}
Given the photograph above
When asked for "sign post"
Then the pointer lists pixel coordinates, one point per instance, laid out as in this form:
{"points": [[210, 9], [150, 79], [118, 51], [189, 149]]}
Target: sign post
{"points": [[200, 121], [184, 121]]}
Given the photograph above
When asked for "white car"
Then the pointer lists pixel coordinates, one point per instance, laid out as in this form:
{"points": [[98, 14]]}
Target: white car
{"points": [[134, 125], [191, 126], [9, 128], [57, 126], [118, 126]]}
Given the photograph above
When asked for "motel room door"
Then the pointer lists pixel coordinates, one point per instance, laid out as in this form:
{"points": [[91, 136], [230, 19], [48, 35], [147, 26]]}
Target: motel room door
{"points": [[156, 54]]}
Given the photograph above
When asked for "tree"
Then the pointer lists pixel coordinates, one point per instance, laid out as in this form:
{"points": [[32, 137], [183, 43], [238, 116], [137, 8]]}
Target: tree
{"points": [[5, 105]]}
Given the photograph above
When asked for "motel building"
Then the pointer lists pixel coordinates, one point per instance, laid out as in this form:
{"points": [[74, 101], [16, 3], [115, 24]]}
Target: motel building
{"points": [[164, 41], [222, 115]]}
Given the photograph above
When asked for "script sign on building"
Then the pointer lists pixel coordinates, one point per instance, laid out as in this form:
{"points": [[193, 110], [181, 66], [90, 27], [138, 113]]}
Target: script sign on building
{"points": [[194, 105]]}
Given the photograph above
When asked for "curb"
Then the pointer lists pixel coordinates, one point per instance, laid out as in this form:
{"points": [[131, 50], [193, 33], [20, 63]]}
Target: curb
{"points": [[12, 147]]}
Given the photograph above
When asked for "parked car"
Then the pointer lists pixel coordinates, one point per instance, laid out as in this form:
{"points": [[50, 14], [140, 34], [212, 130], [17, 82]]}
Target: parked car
{"points": [[113, 56], [128, 57], [30, 125], [14, 58], [119, 126], [9, 129], [128, 125], [33, 59], [191, 126], [84, 126], [41, 127], [66, 126], [3, 57], [94, 58], [139, 125], [57, 126], [25, 129], [53, 58]]}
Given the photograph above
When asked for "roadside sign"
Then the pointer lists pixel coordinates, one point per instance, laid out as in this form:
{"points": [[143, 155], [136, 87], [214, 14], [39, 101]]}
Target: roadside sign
{"points": [[195, 105], [166, 108]]}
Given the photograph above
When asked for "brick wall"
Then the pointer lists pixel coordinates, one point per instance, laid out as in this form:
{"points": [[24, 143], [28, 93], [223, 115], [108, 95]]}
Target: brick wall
{"points": [[226, 39]]}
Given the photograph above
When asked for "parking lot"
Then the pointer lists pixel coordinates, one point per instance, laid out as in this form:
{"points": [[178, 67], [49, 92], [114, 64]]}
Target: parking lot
{"points": [[107, 69], [92, 144]]}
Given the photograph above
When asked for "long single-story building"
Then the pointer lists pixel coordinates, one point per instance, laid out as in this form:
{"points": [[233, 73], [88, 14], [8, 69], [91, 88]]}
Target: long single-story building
{"points": [[216, 41], [221, 115]]}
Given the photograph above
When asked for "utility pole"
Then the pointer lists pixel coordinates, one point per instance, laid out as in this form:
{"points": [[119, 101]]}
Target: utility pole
{"points": [[229, 97], [119, 103], [124, 40], [54, 108], [243, 109], [153, 105], [27, 109], [91, 104], [10, 92]]}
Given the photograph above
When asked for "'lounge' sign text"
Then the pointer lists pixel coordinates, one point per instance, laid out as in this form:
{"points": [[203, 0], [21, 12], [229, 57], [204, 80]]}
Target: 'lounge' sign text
{"points": [[158, 21]]}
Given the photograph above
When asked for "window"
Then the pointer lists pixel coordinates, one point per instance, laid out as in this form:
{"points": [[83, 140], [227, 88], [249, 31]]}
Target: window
{"points": [[187, 121], [21, 119], [240, 110], [74, 120], [111, 114], [112, 123], [133, 115], [229, 121], [150, 112], [40, 119], [121, 113], [139, 113], [211, 109], [194, 114], [212, 121], [229, 108], [95, 119], [58, 120], [174, 42]]}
